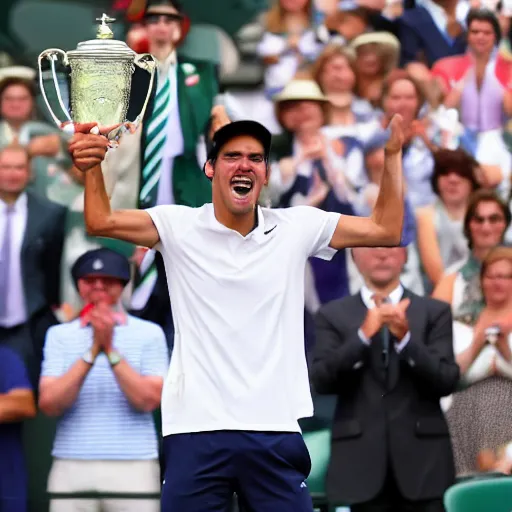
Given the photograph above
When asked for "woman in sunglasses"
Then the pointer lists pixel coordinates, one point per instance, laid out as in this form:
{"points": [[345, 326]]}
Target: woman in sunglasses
{"points": [[487, 218]]}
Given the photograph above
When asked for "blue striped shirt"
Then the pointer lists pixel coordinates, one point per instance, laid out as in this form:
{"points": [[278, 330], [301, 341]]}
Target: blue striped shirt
{"points": [[102, 424]]}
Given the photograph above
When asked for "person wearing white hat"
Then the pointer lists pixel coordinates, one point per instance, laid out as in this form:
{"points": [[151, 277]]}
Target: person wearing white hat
{"points": [[238, 381], [377, 53], [302, 109]]}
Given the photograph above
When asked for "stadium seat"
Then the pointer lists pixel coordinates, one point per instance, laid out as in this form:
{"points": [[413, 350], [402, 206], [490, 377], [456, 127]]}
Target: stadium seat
{"points": [[319, 447], [480, 495]]}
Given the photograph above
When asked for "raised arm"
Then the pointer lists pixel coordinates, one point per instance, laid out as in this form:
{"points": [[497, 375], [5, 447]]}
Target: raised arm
{"points": [[384, 227], [135, 226]]}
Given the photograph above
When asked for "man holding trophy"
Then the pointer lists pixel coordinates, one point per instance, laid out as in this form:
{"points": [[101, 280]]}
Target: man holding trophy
{"points": [[238, 380]]}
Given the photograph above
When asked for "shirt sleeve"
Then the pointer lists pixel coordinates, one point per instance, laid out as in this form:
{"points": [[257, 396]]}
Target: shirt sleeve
{"points": [[17, 376], [53, 355], [155, 359], [166, 218], [316, 227]]}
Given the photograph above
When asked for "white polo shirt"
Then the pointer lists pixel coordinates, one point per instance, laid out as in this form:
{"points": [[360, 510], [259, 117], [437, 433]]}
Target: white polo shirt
{"points": [[238, 304]]}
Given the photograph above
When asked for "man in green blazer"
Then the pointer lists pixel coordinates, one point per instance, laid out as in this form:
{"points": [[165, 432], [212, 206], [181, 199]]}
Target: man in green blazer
{"points": [[176, 126]]}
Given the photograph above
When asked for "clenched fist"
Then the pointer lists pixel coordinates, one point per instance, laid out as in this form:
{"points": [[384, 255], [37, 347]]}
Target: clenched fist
{"points": [[88, 149]]}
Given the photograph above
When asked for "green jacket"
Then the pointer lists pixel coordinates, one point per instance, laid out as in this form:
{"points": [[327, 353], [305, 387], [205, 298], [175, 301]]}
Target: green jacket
{"points": [[197, 88]]}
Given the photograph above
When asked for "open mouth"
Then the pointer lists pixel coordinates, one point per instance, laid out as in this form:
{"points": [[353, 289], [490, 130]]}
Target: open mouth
{"points": [[241, 185]]}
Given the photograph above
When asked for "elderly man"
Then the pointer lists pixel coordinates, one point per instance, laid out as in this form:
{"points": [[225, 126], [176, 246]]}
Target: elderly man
{"points": [[102, 376], [388, 356]]}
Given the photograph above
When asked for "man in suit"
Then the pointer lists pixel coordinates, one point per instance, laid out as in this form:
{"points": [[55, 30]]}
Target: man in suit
{"points": [[432, 30], [388, 356], [31, 239]]}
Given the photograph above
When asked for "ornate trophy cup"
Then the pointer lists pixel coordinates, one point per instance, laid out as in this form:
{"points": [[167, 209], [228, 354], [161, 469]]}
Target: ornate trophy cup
{"points": [[101, 76]]}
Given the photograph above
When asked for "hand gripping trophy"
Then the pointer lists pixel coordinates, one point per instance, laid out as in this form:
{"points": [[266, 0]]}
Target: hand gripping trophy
{"points": [[101, 76]]}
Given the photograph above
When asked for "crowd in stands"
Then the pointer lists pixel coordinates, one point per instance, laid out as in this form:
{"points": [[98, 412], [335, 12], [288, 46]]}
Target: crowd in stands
{"points": [[335, 73]]}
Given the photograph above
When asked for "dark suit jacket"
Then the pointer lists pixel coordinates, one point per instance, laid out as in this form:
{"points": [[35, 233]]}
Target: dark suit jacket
{"points": [[41, 254], [386, 421], [419, 36]]}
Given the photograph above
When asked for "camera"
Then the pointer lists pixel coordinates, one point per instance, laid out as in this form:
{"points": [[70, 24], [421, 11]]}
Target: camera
{"points": [[492, 334]]}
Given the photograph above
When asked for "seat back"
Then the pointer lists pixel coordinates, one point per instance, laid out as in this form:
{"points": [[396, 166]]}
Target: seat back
{"points": [[480, 495], [319, 447]]}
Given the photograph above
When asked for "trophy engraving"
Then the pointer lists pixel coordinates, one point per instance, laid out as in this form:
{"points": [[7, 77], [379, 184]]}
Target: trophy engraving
{"points": [[101, 75]]}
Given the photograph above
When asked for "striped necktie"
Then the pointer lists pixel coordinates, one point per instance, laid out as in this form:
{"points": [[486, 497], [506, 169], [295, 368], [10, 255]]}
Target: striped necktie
{"points": [[155, 141]]}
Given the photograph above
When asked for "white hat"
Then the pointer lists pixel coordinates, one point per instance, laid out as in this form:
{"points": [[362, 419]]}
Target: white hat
{"points": [[23, 72], [383, 38], [301, 90]]}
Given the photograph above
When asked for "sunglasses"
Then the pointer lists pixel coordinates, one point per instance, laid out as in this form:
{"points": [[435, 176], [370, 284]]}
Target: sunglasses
{"points": [[153, 19]]}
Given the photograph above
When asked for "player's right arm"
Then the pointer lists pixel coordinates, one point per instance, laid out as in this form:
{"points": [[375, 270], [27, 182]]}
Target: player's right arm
{"points": [[135, 226]]}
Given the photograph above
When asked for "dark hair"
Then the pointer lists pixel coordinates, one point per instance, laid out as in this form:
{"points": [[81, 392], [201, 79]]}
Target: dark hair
{"points": [[485, 15], [483, 196], [457, 161]]}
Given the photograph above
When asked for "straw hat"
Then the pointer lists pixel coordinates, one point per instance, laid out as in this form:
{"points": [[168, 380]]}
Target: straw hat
{"points": [[301, 90], [22, 72], [381, 38], [388, 43]]}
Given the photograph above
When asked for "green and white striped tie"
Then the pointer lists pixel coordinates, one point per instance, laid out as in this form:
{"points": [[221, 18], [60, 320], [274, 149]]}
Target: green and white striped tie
{"points": [[155, 141]]}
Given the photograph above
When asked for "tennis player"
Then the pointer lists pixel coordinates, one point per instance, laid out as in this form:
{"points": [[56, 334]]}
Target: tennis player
{"points": [[238, 380]]}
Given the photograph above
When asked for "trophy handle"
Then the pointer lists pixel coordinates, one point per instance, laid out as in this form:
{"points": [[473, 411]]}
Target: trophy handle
{"points": [[147, 62], [52, 55]]}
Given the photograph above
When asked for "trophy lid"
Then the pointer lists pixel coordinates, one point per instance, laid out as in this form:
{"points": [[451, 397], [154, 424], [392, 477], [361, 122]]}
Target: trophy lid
{"points": [[104, 46]]}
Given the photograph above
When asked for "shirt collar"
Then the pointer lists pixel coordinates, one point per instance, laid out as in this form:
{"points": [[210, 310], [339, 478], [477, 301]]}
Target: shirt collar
{"points": [[257, 233], [19, 205], [394, 297], [439, 14], [168, 63], [120, 317]]}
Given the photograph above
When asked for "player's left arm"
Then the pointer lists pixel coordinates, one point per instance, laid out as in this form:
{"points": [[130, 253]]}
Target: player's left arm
{"points": [[384, 227]]}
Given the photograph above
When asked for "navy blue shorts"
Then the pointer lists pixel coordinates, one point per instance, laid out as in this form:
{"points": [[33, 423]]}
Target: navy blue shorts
{"points": [[267, 470]]}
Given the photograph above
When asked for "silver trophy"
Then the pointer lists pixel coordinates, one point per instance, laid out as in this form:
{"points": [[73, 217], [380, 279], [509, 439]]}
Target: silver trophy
{"points": [[101, 76]]}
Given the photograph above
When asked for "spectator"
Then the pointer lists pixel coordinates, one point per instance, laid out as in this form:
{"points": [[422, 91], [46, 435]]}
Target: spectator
{"points": [[45, 144], [388, 356], [288, 42], [479, 416], [16, 404], [377, 55], [344, 24], [317, 171], [441, 240], [430, 31], [402, 95], [479, 87], [486, 220], [350, 116], [31, 238], [102, 376]]}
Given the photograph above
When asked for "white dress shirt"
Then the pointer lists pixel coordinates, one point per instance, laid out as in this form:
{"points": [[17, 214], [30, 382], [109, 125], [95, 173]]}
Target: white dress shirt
{"points": [[394, 298], [16, 308]]}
